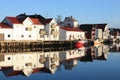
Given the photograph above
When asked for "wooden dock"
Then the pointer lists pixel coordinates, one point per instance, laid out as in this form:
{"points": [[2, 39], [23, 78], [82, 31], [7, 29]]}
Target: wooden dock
{"points": [[30, 46]]}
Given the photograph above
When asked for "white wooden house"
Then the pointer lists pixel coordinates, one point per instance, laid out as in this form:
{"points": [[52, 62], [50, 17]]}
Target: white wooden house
{"points": [[96, 31], [28, 28], [5, 32], [72, 54], [52, 29], [70, 21], [68, 33], [28, 62]]}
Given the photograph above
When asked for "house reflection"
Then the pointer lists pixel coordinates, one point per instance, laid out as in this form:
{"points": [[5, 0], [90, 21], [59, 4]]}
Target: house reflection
{"points": [[99, 52], [70, 58], [115, 47], [27, 63]]}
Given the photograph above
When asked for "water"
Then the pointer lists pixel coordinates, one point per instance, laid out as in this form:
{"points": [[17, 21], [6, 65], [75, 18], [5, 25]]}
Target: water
{"points": [[93, 63]]}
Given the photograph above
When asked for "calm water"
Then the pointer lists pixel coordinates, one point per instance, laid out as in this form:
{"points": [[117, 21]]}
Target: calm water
{"points": [[100, 62]]}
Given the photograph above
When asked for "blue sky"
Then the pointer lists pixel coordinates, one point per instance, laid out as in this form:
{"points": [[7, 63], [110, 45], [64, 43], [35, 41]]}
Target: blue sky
{"points": [[85, 11]]}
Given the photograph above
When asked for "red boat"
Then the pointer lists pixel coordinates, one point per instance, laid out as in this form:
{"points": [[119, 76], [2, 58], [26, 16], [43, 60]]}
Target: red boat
{"points": [[80, 44]]}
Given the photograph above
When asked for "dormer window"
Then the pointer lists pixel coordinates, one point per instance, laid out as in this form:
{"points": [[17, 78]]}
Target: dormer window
{"points": [[68, 20]]}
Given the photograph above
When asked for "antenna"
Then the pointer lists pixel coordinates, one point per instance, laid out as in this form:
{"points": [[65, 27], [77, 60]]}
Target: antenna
{"points": [[46, 15]]}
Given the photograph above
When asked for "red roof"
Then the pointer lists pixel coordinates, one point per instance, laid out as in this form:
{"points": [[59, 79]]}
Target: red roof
{"points": [[45, 21], [71, 29], [2, 25], [35, 21], [14, 20]]}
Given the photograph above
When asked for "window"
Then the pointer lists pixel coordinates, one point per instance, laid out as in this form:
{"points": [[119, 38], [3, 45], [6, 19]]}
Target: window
{"points": [[68, 24], [8, 58], [55, 36], [41, 36], [8, 35], [22, 36], [28, 28], [29, 36], [68, 20]]}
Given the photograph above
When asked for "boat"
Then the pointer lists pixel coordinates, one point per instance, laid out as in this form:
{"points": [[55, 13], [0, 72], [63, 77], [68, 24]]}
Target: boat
{"points": [[80, 44]]}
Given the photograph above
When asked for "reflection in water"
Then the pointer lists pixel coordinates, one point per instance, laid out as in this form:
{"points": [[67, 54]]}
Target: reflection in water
{"points": [[115, 47], [27, 63]]}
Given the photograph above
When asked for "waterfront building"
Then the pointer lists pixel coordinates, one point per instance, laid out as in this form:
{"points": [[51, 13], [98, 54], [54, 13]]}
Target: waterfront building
{"points": [[69, 33], [29, 27], [95, 31], [28, 63], [70, 21], [115, 34]]}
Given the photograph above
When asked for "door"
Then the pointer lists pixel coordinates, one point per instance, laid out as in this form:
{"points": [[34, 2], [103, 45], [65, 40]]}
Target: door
{"points": [[1, 37]]}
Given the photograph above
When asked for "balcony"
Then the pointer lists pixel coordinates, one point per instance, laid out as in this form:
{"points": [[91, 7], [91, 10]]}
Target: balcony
{"points": [[54, 32], [53, 26], [42, 32]]}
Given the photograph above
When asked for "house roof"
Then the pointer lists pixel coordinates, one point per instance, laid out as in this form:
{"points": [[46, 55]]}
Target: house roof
{"points": [[36, 16], [101, 26], [72, 18], [71, 29], [35, 21], [31, 16], [2, 25], [88, 27], [14, 20], [46, 21]]}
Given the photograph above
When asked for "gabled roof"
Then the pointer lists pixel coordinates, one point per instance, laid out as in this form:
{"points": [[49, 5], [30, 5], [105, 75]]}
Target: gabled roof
{"points": [[46, 21], [88, 27], [31, 16], [36, 16], [14, 20], [2, 25], [72, 18], [101, 26], [71, 29], [35, 21]]}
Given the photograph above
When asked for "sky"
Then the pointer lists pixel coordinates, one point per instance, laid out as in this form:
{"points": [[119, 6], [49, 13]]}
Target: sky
{"points": [[85, 11]]}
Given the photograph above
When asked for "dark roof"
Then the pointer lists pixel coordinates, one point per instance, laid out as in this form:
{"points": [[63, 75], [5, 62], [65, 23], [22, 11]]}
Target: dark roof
{"points": [[88, 27], [36, 16], [88, 35], [71, 17], [31, 16], [45, 21], [3, 25], [71, 29]]}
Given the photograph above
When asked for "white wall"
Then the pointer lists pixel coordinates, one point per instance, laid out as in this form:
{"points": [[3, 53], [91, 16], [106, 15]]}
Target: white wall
{"points": [[98, 33], [75, 35], [20, 29], [6, 32], [71, 54], [62, 35]]}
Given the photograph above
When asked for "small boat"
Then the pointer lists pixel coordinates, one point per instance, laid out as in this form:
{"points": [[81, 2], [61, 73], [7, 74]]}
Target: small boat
{"points": [[80, 44], [96, 42]]}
